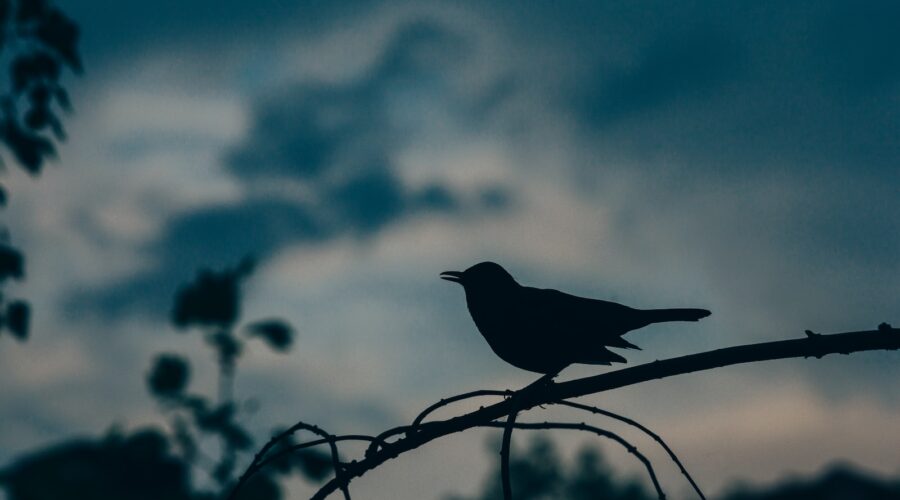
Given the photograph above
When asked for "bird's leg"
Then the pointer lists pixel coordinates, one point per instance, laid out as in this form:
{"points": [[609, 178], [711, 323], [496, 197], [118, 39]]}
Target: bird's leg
{"points": [[544, 381], [538, 384]]}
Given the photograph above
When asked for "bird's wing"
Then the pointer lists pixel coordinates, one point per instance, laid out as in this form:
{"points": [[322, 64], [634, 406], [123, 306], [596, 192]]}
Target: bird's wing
{"points": [[581, 318]]}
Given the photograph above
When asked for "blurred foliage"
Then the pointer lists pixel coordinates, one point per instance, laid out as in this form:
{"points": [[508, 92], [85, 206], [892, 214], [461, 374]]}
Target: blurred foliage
{"points": [[837, 483], [139, 466], [212, 299], [538, 473], [275, 332], [156, 464], [37, 43], [15, 315]]}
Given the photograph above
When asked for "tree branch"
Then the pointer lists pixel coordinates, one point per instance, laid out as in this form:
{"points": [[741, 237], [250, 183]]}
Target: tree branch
{"points": [[621, 418], [315, 429], [885, 338], [588, 428]]}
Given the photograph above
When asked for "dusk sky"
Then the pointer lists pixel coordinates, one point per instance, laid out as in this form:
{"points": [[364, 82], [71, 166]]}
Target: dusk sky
{"points": [[743, 157]]}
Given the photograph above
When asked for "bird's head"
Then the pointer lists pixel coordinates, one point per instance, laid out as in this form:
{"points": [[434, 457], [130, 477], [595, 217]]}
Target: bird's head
{"points": [[481, 276]]}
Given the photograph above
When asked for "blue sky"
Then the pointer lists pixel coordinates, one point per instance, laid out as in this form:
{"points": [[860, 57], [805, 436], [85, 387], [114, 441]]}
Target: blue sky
{"points": [[740, 157]]}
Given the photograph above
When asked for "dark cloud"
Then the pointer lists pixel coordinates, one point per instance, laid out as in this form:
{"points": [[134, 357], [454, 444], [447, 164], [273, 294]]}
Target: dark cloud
{"points": [[745, 86], [689, 66], [114, 30], [334, 145]]}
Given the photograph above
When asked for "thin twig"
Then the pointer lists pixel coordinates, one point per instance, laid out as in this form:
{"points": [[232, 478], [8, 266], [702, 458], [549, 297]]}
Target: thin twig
{"points": [[338, 467], [309, 444], [504, 454], [453, 399], [592, 409], [598, 431], [645, 430], [272, 442]]}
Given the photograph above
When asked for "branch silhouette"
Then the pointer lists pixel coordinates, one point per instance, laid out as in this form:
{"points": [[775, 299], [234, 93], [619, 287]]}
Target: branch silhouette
{"points": [[420, 433], [507, 493], [504, 454], [645, 430], [570, 404]]}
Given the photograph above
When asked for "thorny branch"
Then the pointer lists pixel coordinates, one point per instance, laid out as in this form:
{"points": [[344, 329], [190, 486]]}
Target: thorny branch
{"points": [[596, 430], [419, 433]]}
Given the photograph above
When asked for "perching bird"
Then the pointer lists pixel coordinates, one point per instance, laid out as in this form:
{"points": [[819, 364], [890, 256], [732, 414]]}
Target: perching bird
{"points": [[543, 330]]}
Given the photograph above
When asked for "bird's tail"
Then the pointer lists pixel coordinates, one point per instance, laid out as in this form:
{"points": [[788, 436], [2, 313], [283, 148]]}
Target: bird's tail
{"points": [[663, 315]]}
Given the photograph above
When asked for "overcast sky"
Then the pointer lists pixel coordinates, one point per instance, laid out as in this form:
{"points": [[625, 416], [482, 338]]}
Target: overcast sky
{"points": [[741, 157]]}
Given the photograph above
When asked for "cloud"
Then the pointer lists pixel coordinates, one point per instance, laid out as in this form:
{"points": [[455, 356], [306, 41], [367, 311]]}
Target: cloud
{"points": [[740, 88], [318, 162], [689, 66]]}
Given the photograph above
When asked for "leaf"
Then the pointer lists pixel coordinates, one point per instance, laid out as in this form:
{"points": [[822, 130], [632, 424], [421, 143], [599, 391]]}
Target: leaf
{"points": [[212, 299], [12, 264], [29, 149], [18, 318], [169, 376], [276, 332], [59, 33]]}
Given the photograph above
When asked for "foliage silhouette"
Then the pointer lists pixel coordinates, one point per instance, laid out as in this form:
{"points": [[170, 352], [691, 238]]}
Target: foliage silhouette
{"points": [[39, 41], [154, 464], [139, 466], [212, 304], [839, 482], [539, 473]]}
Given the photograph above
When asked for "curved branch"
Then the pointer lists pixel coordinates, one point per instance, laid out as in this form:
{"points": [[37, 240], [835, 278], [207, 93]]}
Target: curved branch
{"points": [[885, 338], [252, 468], [596, 430], [380, 440], [504, 454], [633, 423], [301, 446], [593, 409]]}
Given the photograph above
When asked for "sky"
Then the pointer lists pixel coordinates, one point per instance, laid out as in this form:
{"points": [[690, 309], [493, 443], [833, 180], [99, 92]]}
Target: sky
{"points": [[741, 157]]}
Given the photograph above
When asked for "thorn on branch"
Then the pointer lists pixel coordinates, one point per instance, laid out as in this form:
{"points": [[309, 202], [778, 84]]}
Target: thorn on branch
{"points": [[885, 327]]}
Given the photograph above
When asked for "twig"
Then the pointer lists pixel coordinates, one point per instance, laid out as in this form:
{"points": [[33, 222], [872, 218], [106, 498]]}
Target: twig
{"points": [[592, 409], [645, 430], [884, 338], [504, 454], [453, 399], [338, 468], [309, 444], [598, 431], [329, 438]]}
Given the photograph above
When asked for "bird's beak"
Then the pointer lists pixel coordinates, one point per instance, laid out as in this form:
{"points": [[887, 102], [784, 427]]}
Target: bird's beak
{"points": [[454, 276]]}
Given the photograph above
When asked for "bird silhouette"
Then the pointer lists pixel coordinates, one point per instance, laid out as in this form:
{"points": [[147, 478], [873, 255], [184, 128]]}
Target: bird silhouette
{"points": [[544, 330]]}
